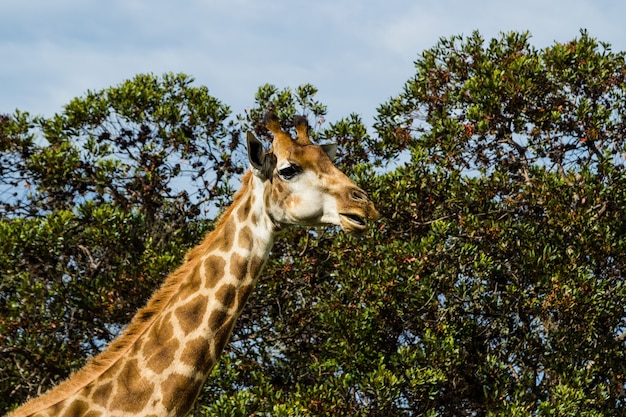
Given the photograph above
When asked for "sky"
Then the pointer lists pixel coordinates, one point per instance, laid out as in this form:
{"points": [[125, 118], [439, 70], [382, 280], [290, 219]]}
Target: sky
{"points": [[357, 53]]}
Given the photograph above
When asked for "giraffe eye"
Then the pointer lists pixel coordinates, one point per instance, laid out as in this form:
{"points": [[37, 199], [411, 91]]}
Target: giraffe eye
{"points": [[289, 172]]}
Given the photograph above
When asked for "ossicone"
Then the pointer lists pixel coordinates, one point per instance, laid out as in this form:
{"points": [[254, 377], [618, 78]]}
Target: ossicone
{"points": [[271, 122], [302, 130]]}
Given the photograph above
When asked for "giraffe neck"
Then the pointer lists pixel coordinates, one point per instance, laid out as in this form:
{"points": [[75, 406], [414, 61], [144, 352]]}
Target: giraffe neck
{"points": [[185, 342], [159, 364]]}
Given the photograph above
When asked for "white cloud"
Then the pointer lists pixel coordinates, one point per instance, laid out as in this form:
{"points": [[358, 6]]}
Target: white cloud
{"points": [[358, 53]]}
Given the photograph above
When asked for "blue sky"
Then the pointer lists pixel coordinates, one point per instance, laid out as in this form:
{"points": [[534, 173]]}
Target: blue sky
{"points": [[357, 53]]}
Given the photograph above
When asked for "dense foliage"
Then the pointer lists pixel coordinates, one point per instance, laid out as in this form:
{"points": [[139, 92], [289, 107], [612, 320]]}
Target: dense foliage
{"points": [[91, 220], [492, 286]]}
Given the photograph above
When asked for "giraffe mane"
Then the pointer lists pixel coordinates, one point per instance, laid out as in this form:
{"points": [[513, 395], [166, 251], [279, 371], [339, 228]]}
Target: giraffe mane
{"points": [[198, 250], [140, 322]]}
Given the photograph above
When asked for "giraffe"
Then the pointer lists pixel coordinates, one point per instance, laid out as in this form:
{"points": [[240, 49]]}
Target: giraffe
{"points": [[159, 363]]}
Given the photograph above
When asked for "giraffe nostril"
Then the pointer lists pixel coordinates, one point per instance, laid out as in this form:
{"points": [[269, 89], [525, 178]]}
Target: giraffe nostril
{"points": [[359, 195]]}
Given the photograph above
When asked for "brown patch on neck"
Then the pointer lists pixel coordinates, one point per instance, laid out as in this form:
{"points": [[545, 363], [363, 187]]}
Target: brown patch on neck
{"points": [[226, 295], [214, 269], [197, 354], [244, 209], [179, 393], [190, 315], [133, 391]]}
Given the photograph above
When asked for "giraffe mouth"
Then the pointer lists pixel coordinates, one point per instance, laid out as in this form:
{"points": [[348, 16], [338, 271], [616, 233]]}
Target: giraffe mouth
{"points": [[358, 220], [354, 222]]}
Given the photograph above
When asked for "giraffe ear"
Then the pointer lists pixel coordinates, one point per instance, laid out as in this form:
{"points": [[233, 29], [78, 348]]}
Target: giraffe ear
{"points": [[255, 151], [330, 149], [263, 164]]}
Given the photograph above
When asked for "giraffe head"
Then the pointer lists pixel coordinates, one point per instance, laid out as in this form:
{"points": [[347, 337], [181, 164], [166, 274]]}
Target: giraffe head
{"points": [[302, 185]]}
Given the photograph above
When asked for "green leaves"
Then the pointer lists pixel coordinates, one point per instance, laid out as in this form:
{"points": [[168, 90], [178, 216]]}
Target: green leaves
{"points": [[493, 285], [90, 219], [515, 149]]}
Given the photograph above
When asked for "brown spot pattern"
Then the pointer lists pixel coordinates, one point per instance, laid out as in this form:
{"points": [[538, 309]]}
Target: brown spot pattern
{"points": [[226, 295], [163, 356], [279, 187], [220, 339], [228, 234], [197, 355], [161, 331], [244, 210], [179, 393], [267, 197], [190, 315], [255, 265], [217, 319], [238, 266], [242, 295], [214, 269], [54, 410], [133, 391], [76, 408], [245, 238], [86, 391], [189, 287], [102, 393]]}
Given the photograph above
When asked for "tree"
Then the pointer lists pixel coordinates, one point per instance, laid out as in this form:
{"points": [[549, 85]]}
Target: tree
{"points": [[493, 285], [99, 203], [513, 201]]}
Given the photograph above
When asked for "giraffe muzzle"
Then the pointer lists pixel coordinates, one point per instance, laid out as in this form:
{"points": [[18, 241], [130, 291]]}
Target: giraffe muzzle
{"points": [[354, 221]]}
